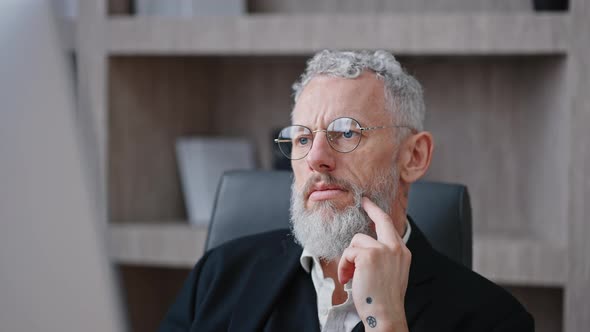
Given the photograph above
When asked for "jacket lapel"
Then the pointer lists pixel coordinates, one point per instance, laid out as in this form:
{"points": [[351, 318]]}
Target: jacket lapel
{"points": [[419, 292], [259, 298], [262, 293]]}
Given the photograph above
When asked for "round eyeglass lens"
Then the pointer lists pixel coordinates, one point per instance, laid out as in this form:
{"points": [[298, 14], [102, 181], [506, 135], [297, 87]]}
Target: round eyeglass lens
{"points": [[295, 141], [344, 134]]}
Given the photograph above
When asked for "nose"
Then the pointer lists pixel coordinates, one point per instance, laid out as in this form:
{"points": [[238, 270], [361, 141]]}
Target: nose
{"points": [[321, 156]]}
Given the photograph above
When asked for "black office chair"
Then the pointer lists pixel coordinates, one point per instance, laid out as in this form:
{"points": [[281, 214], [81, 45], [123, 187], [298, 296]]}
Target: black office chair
{"points": [[250, 202]]}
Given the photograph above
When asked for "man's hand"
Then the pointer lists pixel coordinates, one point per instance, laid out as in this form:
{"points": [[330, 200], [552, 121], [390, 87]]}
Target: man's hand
{"points": [[379, 271]]}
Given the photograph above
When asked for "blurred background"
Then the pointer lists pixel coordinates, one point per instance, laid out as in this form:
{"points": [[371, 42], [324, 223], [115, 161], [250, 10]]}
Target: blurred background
{"points": [[506, 86]]}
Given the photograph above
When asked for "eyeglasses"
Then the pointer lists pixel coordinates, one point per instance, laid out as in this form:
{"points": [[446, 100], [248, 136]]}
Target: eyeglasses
{"points": [[343, 135]]}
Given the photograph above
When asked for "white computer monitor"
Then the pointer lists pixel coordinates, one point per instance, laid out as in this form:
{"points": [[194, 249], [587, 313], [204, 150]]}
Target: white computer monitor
{"points": [[54, 271]]}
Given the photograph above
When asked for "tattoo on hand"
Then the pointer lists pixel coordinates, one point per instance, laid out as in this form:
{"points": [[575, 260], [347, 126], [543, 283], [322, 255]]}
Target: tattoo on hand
{"points": [[369, 300], [371, 321]]}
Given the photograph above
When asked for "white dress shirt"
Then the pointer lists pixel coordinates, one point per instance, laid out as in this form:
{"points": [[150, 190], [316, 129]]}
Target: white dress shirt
{"points": [[342, 317]]}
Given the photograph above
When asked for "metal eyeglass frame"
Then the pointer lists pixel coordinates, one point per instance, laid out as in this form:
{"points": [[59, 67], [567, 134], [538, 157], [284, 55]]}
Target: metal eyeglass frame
{"points": [[313, 132]]}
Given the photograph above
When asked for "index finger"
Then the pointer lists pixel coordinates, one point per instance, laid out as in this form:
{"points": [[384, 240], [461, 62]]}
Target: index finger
{"points": [[384, 227]]}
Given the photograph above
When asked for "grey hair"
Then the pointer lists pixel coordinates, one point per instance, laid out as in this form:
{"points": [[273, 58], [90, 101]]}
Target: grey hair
{"points": [[403, 93]]}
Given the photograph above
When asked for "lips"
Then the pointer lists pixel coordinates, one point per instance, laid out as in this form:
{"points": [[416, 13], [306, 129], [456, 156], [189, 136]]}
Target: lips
{"points": [[321, 192]]}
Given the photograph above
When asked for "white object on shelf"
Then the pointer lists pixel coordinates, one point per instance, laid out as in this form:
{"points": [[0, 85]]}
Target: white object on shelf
{"points": [[218, 7], [66, 8], [202, 162], [164, 7], [188, 8]]}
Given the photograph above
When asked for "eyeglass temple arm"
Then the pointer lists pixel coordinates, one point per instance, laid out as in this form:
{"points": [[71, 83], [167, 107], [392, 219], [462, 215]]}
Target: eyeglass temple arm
{"points": [[383, 127]]}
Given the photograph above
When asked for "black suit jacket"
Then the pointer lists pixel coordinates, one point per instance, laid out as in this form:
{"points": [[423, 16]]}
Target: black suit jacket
{"points": [[257, 283]]}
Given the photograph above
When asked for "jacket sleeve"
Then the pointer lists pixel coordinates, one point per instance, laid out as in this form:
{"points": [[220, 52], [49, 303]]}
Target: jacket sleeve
{"points": [[181, 314]]}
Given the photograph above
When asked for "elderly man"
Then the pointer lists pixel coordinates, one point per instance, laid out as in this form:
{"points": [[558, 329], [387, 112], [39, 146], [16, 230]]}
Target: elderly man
{"points": [[353, 260]]}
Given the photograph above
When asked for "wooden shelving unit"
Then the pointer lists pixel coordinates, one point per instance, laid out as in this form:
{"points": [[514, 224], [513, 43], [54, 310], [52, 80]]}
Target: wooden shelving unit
{"points": [[519, 261], [178, 245], [163, 84], [166, 244], [406, 34], [496, 83]]}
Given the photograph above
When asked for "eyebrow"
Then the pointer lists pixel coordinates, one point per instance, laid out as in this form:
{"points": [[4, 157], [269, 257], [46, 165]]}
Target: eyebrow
{"points": [[362, 122]]}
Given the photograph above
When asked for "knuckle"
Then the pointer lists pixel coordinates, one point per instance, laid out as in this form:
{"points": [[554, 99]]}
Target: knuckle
{"points": [[396, 249], [356, 239], [408, 253]]}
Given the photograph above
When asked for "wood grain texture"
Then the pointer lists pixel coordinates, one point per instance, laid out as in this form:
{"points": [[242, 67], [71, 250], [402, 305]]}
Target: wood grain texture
{"points": [[152, 102], [513, 261], [148, 293], [282, 34], [577, 297], [254, 97], [544, 303], [519, 260], [497, 123], [494, 130], [120, 7], [166, 244], [379, 6], [501, 124], [367, 6]]}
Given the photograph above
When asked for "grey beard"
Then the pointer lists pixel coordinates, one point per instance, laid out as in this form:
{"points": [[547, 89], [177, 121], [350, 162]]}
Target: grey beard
{"points": [[325, 231]]}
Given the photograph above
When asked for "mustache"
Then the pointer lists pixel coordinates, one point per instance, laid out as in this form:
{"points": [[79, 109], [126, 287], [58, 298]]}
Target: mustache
{"points": [[328, 180]]}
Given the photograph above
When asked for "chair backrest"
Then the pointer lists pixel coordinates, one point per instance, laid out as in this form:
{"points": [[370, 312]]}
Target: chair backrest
{"points": [[250, 202]]}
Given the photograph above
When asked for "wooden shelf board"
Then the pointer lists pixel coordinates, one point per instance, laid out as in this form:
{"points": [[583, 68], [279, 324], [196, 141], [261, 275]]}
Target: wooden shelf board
{"points": [[511, 261], [519, 261], [170, 244], [276, 34]]}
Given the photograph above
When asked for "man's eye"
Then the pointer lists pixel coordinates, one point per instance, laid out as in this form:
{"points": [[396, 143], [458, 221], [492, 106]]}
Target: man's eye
{"points": [[302, 140], [348, 134]]}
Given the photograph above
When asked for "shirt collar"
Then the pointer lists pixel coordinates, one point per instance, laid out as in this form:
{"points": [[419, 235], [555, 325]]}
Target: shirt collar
{"points": [[307, 260]]}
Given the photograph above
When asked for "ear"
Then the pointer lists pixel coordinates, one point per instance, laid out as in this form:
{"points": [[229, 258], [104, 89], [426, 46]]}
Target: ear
{"points": [[415, 155]]}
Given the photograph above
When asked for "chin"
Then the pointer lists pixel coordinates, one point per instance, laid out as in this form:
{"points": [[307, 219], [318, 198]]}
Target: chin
{"points": [[326, 208]]}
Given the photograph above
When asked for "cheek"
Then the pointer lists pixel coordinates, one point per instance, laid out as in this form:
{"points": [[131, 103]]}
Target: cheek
{"points": [[299, 174], [368, 168]]}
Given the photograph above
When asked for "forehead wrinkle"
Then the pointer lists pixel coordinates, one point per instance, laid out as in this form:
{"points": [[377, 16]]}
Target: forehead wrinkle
{"points": [[325, 99], [345, 114]]}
